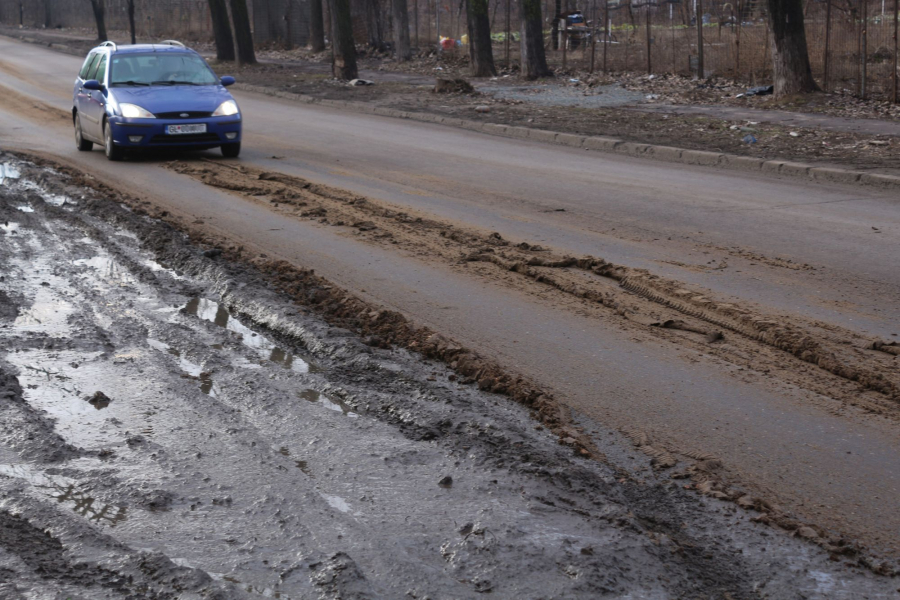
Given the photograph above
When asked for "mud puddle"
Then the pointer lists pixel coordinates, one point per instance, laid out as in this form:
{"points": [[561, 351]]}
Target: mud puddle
{"points": [[373, 475]]}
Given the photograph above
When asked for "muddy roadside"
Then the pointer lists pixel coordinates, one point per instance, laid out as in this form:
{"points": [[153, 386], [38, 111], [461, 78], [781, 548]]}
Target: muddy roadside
{"points": [[573, 102], [266, 451]]}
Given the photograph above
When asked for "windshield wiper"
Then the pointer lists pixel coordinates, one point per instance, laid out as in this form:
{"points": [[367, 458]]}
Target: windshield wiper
{"points": [[167, 82], [130, 82]]}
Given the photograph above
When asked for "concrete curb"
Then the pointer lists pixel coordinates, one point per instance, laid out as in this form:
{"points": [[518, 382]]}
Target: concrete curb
{"points": [[606, 144]]}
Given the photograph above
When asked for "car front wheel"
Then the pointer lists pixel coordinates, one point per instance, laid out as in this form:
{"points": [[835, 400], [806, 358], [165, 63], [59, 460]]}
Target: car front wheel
{"points": [[81, 143], [113, 152], [231, 150]]}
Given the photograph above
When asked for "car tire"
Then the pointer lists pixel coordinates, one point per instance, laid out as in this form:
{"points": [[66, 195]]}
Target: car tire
{"points": [[231, 150], [112, 151], [81, 143]]}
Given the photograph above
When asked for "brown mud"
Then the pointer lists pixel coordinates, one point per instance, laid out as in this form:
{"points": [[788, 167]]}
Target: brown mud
{"points": [[590, 284], [226, 474]]}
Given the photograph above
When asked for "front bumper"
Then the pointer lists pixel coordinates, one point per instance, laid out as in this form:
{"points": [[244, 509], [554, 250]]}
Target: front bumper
{"points": [[152, 132]]}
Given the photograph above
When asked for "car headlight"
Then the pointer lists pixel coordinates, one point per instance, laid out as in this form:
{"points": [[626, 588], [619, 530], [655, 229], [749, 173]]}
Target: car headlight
{"points": [[226, 109], [133, 111]]}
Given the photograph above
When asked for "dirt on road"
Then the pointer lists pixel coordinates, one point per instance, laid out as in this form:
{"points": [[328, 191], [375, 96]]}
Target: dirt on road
{"points": [[175, 425]]}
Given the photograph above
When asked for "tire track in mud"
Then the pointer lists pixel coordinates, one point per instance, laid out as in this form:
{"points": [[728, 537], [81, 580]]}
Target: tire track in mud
{"points": [[432, 239], [641, 298]]}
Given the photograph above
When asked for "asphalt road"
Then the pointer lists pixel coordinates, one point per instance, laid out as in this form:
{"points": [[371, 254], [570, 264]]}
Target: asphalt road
{"points": [[730, 233]]}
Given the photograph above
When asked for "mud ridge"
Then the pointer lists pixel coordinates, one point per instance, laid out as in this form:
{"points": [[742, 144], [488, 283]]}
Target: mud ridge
{"points": [[380, 224]]}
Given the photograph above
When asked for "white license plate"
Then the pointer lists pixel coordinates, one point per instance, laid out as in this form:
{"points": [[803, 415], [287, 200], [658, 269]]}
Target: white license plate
{"points": [[182, 129]]}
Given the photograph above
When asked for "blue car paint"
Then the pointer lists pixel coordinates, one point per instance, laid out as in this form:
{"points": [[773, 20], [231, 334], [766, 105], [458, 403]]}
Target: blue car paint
{"points": [[93, 106]]}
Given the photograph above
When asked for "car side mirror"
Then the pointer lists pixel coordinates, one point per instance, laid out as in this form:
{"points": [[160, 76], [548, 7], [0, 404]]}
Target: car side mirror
{"points": [[92, 84], [227, 80]]}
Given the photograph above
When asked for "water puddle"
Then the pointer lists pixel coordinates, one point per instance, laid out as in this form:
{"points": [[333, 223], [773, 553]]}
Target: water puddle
{"points": [[8, 171], [214, 312], [86, 506], [65, 491], [336, 405], [46, 314], [336, 502], [108, 268], [190, 368], [9, 227]]}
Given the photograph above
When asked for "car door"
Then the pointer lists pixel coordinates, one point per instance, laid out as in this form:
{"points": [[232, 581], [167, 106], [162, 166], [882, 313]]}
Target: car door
{"points": [[82, 96], [95, 102]]}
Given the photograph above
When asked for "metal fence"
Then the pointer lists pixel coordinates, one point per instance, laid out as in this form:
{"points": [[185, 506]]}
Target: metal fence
{"points": [[853, 43]]}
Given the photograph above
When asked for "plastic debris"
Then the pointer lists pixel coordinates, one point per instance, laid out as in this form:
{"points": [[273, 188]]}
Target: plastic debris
{"points": [[749, 139], [358, 82]]}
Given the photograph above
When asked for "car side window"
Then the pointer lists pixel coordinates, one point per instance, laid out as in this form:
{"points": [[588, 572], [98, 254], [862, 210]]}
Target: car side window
{"points": [[89, 63], [98, 71]]}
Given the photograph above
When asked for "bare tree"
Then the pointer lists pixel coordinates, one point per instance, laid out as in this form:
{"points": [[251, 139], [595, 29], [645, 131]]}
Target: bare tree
{"points": [[99, 8], [790, 56], [481, 55], [400, 14], [316, 26], [534, 60], [243, 36], [221, 30], [343, 49], [374, 26], [48, 14], [131, 20]]}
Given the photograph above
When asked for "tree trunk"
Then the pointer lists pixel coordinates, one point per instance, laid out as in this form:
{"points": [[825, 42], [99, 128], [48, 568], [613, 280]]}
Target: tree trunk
{"points": [[316, 26], [374, 29], [99, 7], [790, 57], [131, 27], [221, 30], [243, 36], [534, 61], [400, 14], [481, 53], [48, 14], [343, 49]]}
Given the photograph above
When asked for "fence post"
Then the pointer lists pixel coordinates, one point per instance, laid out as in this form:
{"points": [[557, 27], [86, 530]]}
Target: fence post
{"points": [[737, 42], [864, 50], [605, 32], [508, 32], [827, 43], [896, 21], [649, 62], [700, 70]]}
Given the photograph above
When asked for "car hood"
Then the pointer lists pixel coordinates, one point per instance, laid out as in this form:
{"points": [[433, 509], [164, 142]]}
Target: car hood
{"points": [[164, 99]]}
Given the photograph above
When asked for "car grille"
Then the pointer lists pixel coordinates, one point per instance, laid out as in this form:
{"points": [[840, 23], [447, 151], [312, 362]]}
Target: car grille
{"points": [[177, 115], [187, 138]]}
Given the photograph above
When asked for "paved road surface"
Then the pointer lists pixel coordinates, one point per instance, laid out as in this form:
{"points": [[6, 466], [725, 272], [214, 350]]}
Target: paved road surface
{"points": [[838, 470]]}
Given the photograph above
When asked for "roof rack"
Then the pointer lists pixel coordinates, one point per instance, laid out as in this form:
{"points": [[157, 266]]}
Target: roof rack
{"points": [[107, 43], [171, 43]]}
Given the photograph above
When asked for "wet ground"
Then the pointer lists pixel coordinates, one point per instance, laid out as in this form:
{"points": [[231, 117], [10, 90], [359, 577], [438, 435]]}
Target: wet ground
{"points": [[173, 427]]}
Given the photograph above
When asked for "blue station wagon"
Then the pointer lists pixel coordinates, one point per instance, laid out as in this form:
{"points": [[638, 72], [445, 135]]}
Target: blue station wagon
{"points": [[153, 96]]}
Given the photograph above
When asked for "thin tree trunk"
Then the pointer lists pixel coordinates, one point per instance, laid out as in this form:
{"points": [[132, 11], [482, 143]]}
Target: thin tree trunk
{"points": [[99, 7], [48, 14], [400, 14], [316, 26], [790, 57], [218, 12], [534, 60], [243, 36], [343, 49], [481, 54], [131, 26], [373, 24]]}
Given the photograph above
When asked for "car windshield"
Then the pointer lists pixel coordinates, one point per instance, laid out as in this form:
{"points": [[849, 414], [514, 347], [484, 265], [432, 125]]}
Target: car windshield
{"points": [[163, 68]]}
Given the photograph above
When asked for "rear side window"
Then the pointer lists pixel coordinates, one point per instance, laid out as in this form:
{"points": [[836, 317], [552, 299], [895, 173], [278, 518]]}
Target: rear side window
{"points": [[98, 71], [89, 63]]}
